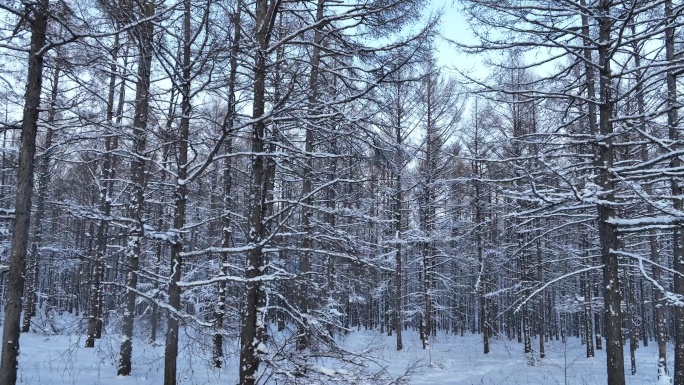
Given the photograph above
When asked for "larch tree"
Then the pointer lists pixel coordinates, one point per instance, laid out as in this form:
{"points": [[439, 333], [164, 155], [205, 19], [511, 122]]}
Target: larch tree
{"points": [[37, 16], [440, 112], [143, 36], [114, 116]]}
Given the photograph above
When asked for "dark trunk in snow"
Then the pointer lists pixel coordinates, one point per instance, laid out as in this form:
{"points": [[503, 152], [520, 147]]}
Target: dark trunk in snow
{"points": [[106, 187], [180, 203], [253, 332], [144, 36], [608, 239], [22, 216], [41, 196]]}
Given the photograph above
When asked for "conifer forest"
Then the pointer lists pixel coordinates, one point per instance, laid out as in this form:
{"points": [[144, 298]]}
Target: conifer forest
{"points": [[365, 192]]}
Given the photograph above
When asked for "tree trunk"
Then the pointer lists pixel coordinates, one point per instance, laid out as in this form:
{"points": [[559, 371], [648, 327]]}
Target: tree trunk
{"points": [[180, 203], [144, 34], [227, 190], [588, 317], [106, 187], [481, 286], [597, 323], [608, 238], [154, 316], [661, 327], [254, 312], [542, 319], [632, 316], [41, 196], [428, 217], [307, 189], [331, 220], [676, 163], [524, 278], [398, 220], [22, 218]]}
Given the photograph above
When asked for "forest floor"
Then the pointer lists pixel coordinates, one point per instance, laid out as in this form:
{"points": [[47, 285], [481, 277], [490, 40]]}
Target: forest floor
{"points": [[452, 360]]}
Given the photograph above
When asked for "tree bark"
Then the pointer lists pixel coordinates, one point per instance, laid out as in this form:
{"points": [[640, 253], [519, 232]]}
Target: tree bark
{"points": [[307, 188], [660, 322], [106, 186], [398, 220], [144, 35], [180, 204], [608, 238], [676, 163], [227, 189], [541, 318], [632, 318], [254, 311], [481, 288], [41, 196], [588, 317], [22, 217]]}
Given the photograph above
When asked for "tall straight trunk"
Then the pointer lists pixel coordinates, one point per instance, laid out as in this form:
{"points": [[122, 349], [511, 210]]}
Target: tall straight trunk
{"points": [[154, 312], [271, 164], [659, 309], [608, 239], [554, 324], [226, 242], [106, 186], [227, 190], [632, 326], [41, 196], [253, 332], [659, 304], [597, 323], [166, 137], [482, 289], [643, 327], [593, 128], [398, 220], [166, 153], [427, 319], [481, 286], [588, 315], [524, 278], [542, 319], [103, 236], [5, 167], [144, 36], [428, 217], [563, 327], [331, 220], [588, 299], [307, 187], [22, 217], [180, 203], [676, 163]]}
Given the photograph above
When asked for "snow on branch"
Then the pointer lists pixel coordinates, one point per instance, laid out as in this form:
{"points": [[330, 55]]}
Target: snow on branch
{"points": [[549, 283]]}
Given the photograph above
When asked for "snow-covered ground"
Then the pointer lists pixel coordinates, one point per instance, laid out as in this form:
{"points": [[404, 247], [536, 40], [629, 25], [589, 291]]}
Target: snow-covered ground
{"points": [[54, 359]]}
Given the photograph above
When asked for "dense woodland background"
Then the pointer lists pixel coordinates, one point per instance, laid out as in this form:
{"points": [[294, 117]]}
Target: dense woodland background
{"points": [[285, 172]]}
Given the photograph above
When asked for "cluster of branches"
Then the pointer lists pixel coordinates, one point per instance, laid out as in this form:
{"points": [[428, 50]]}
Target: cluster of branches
{"points": [[583, 153], [199, 162], [281, 172]]}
